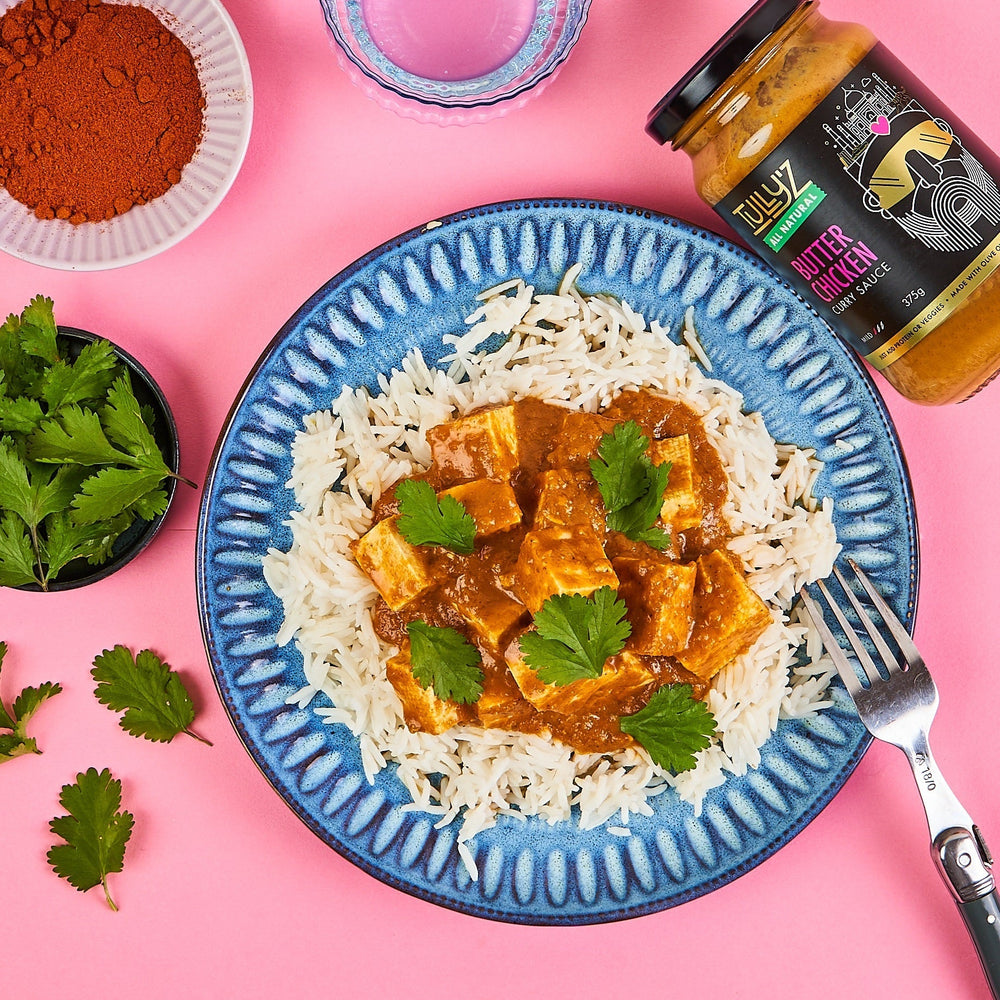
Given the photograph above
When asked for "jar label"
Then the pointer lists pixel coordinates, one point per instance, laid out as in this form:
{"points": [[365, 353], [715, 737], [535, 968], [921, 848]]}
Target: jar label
{"points": [[881, 209]]}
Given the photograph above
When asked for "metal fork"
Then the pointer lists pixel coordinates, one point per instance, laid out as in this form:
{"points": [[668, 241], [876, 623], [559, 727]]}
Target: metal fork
{"points": [[898, 706]]}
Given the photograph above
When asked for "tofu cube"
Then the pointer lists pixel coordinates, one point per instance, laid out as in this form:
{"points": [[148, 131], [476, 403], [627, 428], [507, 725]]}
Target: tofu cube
{"points": [[501, 705], [569, 497], [491, 504], [400, 571], [576, 443], [659, 596], [682, 507], [561, 560], [729, 617], [423, 710], [482, 445], [487, 609], [623, 676]]}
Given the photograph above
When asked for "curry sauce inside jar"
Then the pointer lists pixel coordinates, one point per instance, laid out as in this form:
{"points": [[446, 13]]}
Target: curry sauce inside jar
{"points": [[839, 168]]}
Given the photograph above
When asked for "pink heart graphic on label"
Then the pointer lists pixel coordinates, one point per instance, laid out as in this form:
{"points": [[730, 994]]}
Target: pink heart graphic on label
{"points": [[880, 126]]}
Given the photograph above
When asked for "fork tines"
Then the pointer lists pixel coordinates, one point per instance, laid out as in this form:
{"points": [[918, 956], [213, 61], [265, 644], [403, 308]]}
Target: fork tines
{"points": [[907, 657]]}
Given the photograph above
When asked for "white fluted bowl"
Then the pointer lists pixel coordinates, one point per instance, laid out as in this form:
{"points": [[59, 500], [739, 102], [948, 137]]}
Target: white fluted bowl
{"points": [[208, 31]]}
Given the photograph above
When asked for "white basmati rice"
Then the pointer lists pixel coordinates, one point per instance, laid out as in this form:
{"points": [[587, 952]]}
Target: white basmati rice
{"points": [[578, 351]]}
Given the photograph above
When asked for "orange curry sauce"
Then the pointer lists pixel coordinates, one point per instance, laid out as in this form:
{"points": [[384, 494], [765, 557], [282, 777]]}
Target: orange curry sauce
{"points": [[522, 471]]}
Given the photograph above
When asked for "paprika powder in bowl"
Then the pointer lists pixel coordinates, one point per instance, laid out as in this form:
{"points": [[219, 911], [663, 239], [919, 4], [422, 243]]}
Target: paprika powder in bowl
{"points": [[122, 126]]}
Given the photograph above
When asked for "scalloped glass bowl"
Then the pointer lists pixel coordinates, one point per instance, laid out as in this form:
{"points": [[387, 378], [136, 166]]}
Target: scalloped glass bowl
{"points": [[453, 62]]}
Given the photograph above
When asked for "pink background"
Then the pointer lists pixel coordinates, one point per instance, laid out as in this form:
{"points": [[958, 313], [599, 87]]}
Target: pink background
{"points": [[225, 892]]}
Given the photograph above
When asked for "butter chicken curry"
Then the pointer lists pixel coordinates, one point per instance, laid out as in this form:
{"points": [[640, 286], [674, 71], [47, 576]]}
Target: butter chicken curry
{"points": [[523, 473]]}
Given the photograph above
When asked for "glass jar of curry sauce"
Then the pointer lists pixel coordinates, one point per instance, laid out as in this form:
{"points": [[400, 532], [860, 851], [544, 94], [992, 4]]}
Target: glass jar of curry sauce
{"points": [[848, 177]]}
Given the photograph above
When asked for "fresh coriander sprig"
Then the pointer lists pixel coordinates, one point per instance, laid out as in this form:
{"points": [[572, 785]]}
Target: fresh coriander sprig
{"points": [[672, 728], [631, 486], [96, 831], [446, 661], [78, 459], [575, 636], [156, 704], [425, 520], [17, 742]]}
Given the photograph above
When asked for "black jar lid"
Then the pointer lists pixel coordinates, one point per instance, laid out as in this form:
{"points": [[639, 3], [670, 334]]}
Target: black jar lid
{"points": [[717, 65]]}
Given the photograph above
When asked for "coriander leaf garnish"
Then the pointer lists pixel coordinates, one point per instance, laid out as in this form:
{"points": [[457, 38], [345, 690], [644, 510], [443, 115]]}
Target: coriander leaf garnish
{"points": [[156, 704], [79, 462], [425, 520], [95, 832], [68, 540], [672, 728], [75, 435], [17, 557], [631, 485], [111, 492], [655, 538], [12, 746], [445, 660], [30, 700], [88, 378], [38, 330], [11, 355], [575, 636], [123, 421], [17, 743], [637, 520], [618, 468], [32, 493], [78, 435], [20, 415], [15, 490], [21, 368]]}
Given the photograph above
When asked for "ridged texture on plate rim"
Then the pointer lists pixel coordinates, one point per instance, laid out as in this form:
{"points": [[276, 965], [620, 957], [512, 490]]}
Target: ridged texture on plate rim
{"points": [[761, 337], [208, 31]]}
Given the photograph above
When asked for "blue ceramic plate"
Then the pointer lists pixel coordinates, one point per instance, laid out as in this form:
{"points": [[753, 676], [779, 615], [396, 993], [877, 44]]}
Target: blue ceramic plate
{"points": [[761, 338]]}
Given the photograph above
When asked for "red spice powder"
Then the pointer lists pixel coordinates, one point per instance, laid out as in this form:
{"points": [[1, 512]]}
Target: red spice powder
{"points": [[100, 107]]}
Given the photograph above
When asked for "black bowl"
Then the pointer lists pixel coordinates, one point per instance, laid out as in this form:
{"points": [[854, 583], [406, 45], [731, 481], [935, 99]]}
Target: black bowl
{"points": [[130, 543]]}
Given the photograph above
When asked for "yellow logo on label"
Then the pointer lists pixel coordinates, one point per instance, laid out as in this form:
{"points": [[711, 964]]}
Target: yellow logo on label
{"points": [[771, 199], [896, 177]]}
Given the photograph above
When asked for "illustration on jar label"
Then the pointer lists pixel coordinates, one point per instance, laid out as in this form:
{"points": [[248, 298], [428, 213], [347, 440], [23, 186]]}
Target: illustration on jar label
{"points": [[877, 208], [912, 168]]}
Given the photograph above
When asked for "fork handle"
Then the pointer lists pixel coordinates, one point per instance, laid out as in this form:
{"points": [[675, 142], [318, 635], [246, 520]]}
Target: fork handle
{"points": [[982, 918], [964, 862]]}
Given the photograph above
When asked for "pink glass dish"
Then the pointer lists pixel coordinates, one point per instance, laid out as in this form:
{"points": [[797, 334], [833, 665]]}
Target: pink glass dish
{"points": [[453, 62]]}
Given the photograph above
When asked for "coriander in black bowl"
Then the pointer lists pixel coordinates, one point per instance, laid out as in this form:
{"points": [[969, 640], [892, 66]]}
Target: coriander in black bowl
{"points": [[89, 455]]}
